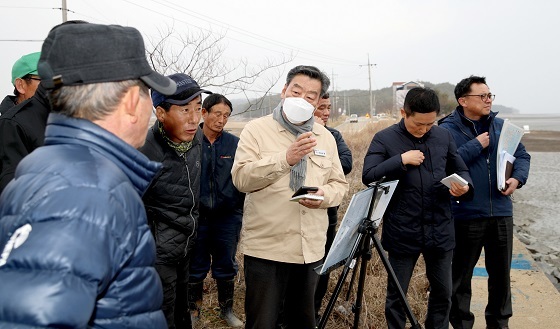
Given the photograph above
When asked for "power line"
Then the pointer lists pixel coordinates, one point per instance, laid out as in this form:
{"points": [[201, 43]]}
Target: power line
{"points": [[16, 40], [212, 21]]}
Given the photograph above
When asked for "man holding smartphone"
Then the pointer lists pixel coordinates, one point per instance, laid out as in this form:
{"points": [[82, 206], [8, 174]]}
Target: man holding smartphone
{"points": [[283, 241]]}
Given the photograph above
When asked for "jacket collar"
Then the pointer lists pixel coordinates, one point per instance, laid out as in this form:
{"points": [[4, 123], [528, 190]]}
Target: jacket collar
{"points": [[402, 127], [66, 130]]}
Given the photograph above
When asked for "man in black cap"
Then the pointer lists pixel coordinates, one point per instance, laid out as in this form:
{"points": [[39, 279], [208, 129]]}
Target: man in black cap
{"points": [[172, 198], [76, 248]]}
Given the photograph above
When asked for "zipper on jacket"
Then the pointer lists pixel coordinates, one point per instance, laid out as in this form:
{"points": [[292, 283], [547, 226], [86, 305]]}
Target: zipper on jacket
{"points": [[212, 175], [192, 207], [489, 184]]}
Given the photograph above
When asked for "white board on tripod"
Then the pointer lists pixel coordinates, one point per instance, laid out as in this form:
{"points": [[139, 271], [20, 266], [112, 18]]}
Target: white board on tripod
{"points": [[356, 212], [383, 202]]}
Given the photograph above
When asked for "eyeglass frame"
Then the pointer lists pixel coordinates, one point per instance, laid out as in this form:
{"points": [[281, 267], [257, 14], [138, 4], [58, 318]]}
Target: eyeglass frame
{"points": [[484, 97]]}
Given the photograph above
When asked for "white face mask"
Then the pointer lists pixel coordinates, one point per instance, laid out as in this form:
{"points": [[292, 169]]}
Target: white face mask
{"points": [[297, 110]]}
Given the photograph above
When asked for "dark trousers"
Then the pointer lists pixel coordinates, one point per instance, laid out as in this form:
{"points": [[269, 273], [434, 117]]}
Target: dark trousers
{"points": [[438, 271], [175, 279], [274, 287], [323, 283], [495, 235], [216, 245]]}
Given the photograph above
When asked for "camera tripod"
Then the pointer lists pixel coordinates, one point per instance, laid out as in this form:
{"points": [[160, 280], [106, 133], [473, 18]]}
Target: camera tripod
{"points": [[362, 249]]}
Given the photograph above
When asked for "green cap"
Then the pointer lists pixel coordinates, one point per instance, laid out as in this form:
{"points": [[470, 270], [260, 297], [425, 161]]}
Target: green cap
{"points": [[27, 64]]}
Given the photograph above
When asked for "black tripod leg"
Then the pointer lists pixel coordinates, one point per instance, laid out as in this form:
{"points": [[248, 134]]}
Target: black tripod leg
{"points": [[366, 255], [340, 282], [352, 279], [393, 278]]}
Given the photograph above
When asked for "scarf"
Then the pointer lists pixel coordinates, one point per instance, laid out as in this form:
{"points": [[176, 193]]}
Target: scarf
{"points": [[181, 148], [298, 171]]}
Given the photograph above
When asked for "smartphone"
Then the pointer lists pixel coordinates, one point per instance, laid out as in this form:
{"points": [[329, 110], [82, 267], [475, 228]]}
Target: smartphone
{"points": [[305, 190]]}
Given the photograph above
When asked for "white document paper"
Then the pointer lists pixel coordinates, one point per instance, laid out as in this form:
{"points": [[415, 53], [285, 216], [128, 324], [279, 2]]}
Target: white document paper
{"points": [[308, 196], [510, 137], [454, 178], [502, 166]]}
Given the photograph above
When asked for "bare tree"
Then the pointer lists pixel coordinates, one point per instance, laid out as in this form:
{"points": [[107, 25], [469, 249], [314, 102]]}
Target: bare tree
{"points": [[200, 54]]}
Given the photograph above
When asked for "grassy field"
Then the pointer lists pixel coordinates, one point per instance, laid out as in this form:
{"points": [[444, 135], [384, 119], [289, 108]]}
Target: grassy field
{"points": [[372, 315]]}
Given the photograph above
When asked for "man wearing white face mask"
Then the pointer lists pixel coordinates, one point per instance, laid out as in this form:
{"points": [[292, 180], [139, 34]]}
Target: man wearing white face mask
{"points": [[282, 241]]}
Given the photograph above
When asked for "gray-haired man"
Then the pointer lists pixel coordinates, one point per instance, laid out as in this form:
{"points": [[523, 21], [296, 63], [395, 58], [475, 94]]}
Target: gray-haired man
{"points": [[76, 248]]}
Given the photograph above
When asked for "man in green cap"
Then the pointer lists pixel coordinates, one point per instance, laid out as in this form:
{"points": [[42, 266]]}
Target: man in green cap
{"points": [[25, 80]]}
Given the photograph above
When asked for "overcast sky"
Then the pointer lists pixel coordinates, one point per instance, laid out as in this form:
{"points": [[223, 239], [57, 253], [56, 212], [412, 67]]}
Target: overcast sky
{"points": [[514, 43]]}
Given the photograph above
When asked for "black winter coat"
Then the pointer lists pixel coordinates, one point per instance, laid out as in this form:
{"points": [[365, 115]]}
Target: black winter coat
{"points": [[7, 103], [418, 217], [172, 199], [22, 130]]}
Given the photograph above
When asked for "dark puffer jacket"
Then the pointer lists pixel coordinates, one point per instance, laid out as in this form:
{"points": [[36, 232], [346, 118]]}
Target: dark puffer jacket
{"points": [[488, 201], [171, 200], [419, 214], [88, 259]]}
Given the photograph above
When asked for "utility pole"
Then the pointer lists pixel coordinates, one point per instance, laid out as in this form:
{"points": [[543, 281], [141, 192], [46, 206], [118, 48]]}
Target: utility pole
{"points": [[64, 11], [333, 96], [371, 110]]}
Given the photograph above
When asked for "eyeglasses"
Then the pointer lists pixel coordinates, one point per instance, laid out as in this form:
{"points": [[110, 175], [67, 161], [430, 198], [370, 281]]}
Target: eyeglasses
{"points": [[484, 97]]}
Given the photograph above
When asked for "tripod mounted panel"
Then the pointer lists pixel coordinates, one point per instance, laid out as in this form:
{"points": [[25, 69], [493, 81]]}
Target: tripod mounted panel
{"points": [[357, 211]]}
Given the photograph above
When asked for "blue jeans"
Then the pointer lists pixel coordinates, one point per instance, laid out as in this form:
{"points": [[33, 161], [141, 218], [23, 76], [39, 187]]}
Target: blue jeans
{"points": [[438, 271], [495, 235], [215, 247]]}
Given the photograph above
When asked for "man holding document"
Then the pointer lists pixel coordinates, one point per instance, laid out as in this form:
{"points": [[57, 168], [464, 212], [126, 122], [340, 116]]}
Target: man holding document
{"points": [[487, 220], [418, 218]]}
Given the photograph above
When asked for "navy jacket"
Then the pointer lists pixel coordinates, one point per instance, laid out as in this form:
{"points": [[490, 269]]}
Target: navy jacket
{"points": [[418, 216], [87, 260], [217, 192], [344, 153], [345, 156], [488, 201]]}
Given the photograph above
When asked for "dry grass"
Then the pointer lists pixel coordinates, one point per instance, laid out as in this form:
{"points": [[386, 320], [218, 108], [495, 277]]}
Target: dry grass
{"points": [[373, 303]]}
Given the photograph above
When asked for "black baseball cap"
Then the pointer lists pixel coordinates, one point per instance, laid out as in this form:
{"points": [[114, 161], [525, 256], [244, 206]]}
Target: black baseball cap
{"points": [[79, 54]]}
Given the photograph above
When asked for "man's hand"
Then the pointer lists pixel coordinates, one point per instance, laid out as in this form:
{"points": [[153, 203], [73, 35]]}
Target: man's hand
{"points": [[457, 190], [484, 140], [413, 157], [511, 186], [319, 120], [303, 145], [312, 204]]}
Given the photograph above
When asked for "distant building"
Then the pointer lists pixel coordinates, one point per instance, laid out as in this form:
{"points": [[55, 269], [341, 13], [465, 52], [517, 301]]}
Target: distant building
{"points": [[399, 93]]}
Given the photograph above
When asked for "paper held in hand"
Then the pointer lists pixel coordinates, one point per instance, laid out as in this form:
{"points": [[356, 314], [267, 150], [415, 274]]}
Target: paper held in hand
{"points": [[304, 193], [510, 137], [505, 168], [454, 178], [308, 196]]}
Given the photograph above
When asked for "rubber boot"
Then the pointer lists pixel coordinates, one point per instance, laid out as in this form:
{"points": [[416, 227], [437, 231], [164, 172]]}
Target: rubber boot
{"points": [[195, 300], [225, 299]]}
